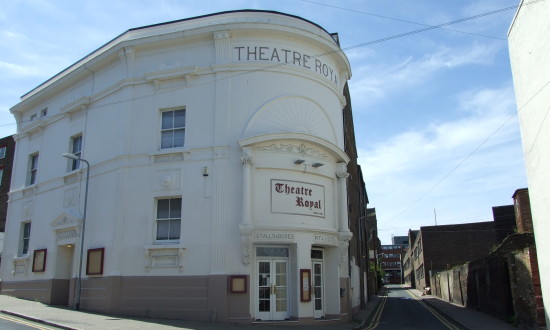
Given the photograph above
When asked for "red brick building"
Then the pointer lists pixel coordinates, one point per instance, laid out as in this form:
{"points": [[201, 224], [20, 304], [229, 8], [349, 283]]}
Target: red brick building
{"points": [[391, 259], [7, 149], [438, 248]]}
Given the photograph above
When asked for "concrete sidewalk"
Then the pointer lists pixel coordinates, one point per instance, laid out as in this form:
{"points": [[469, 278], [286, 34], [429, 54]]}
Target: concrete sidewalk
{"points": [[65, 318], [468, 318]]}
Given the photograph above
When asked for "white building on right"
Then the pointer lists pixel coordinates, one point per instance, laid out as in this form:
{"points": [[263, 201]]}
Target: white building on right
{"points": [[529, 44]]}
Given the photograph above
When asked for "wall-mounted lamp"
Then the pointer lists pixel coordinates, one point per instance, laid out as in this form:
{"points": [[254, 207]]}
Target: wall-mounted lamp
{"points": [[303, 162], [205, 171]]}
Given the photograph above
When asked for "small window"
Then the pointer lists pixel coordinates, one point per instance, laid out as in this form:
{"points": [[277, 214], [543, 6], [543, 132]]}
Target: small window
{"points": [[76, 149], [1, 175], [271, 252], [25, 237], [33, 117], [172, 129], [316, 254], [168, 219], [2, 152], [33, 169], [44, 112]]}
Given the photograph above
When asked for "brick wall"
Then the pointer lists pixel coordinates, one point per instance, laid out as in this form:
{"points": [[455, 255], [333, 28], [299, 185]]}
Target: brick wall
{"points": [[6, 165], [522, 205], [504, 284], [450, 245]]}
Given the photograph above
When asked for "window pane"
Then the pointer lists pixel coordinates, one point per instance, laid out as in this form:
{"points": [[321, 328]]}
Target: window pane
{"points": [[34, 162], [264, 305], [179, 118], [166, 139], [75, 164], [77, 144], [163, 209], [25, 246], [162, 229], [316, 254], [179, 137], [167, 120], [175, 229], [27, 230], [271, 252], [175, 208]]}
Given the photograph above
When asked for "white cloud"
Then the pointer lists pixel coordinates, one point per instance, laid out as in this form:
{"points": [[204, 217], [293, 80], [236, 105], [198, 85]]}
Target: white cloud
{"points": [[411, 168], [383, 78]]}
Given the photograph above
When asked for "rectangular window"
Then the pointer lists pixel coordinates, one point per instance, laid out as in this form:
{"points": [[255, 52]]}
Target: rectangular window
{"points": [[33, 168], [25, 237], [76, 149], [168, 219], [2, 152], [172, 129], [1, 174]]}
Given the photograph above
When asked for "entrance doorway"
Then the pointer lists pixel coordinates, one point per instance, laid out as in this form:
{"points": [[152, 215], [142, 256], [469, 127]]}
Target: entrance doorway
{"points": [[318, 284], [272, 283], [63, 273]]}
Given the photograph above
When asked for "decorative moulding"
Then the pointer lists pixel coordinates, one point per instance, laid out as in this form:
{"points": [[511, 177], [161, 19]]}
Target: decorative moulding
{"points": [[164, 256], [301, 149], [169, 74], [164, 156], [67, 228], [274, 140], [78, 104], [20, 265], [36, 126]]}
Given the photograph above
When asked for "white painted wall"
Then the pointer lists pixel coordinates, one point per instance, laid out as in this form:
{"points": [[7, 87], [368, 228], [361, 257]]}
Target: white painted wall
{"points": [[114, 98], [529, 55]]}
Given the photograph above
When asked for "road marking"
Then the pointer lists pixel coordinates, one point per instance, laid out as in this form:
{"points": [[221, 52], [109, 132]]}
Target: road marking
{"points": [[434, 311], [377, 313], [24, 322]]}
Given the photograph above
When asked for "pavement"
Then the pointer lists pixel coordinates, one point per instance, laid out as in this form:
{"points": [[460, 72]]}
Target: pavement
{"points": [[65, 318]]}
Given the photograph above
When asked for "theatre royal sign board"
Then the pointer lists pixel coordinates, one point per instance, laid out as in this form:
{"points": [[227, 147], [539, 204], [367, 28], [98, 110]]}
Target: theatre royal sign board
{"points": [[294, 197]]}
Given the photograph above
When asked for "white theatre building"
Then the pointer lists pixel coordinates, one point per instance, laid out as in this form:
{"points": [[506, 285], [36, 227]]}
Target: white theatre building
{"points": [[218, 175]]}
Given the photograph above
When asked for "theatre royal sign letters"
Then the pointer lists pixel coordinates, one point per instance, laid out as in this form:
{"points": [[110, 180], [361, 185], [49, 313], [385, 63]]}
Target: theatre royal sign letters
{"points": [[294, 197]]}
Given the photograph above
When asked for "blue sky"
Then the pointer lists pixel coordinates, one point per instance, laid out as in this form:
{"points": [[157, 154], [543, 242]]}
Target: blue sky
{"points": [[433, 111]]}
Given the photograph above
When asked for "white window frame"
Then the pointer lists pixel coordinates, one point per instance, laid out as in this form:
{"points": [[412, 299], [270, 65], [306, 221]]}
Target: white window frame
{"points": [[170, 219], [74, 164], [25, 238], [166, 130], [3, 152], [33, 169]]}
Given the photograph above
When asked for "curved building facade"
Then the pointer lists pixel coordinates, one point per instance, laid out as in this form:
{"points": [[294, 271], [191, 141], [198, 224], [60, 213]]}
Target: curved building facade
{"points": [[218, 175]]}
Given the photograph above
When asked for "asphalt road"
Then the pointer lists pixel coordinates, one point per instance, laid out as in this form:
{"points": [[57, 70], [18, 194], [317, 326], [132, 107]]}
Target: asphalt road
{"points": [[9, 322], [402, 310]]}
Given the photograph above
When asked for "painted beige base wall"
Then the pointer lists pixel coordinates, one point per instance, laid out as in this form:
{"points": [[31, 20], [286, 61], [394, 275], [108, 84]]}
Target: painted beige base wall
{"points": [[197, 298]]}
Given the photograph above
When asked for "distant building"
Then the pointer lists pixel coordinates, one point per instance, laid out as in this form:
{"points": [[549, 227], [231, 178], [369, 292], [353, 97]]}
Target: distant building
{"points": [[7, 151], [373, 245], [437, 248], [400, 240], [529, 48], [391, 262]]}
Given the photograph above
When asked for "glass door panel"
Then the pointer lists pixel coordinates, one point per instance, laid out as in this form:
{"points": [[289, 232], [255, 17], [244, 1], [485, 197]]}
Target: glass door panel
{"points": [[318, 289], [272, 299]]}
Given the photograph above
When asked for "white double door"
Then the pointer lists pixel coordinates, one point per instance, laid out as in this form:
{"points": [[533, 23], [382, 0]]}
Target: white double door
{"points": [[272, 289]]}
